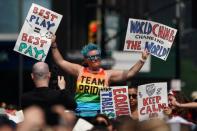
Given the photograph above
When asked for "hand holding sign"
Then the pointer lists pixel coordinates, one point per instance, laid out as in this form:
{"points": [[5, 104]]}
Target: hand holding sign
{"points": [[145, 55], [53, 42]]}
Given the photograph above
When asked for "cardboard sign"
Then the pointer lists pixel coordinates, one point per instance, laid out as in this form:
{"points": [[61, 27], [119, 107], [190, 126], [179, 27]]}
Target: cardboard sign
{"points": [[115, 101], [152, 99], [39, 25], [155, 37]]}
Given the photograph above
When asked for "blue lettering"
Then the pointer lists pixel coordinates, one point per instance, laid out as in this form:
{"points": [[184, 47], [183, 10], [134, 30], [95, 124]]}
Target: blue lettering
{"points": [[43, 23], [147, 28], [106, 99], [149, 46], [109, 94], [135, 27], [37, 19], [165, 51], [50, 25], [157, 50], [140, 27], [160, 51], [32, 17]]}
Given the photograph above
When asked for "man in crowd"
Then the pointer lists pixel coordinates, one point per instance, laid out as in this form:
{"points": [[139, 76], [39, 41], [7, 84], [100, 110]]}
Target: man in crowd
{"points": [[44, 96]]}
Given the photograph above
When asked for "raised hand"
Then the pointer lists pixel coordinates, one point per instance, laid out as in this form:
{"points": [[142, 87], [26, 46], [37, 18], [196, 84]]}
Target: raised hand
{"points": [[61, 82], [145, 54]]}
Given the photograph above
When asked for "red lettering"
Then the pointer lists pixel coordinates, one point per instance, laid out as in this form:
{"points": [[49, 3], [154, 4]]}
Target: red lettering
{"points": [[145, 101], [136, 45], [41, 12], [161, 32], [171, 37], [161, 106], [142, 112], [166, 33], [35, 10], [154, 108], [120, 90], [150, 101], [128, 44], [46, 16], [158, 98], [120, 98], [36, 42], [42, 42], [122, 111], [53, 17], [24, 37], [30, 39], [33, 40], [154, 29], [121, 105], [148, 110]]}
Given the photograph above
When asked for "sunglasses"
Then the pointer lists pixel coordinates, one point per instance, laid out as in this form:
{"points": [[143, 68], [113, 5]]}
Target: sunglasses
{"points": [[134, 96], [94, 57]]}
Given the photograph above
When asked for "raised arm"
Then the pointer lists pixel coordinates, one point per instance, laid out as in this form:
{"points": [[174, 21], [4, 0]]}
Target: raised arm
{"points": [[120, 75], [188, 105], [184, 105], [68, 67]]}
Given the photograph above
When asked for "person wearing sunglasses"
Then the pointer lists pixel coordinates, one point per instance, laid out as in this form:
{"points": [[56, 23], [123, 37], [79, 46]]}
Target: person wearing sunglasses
{"points": [[133, 101], [92, 78]]}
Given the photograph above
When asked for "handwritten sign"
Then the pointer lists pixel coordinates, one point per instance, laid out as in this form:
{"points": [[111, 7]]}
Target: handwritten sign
{"points": [[39, 25], [115, 101], [152, 99], [155, 37]]}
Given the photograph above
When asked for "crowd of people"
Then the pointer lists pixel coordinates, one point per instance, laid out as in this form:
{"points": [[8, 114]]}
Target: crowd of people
{"points": [[60, 117], [49, 109]]}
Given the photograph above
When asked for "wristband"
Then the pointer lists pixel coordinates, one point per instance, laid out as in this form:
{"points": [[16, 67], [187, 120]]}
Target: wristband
{"points": [[142, 60]]}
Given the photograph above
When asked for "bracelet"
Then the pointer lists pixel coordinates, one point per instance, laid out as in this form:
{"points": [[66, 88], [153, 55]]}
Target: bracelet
{"points": [[142, 60]]}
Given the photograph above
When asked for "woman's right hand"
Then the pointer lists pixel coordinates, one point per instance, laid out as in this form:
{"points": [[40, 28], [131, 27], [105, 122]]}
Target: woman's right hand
{"points": [[53, 41]]}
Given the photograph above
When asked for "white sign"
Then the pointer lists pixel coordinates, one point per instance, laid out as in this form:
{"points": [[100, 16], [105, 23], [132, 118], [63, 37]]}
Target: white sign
{"points": [[82, 125], [115, 101], [155, 37], [39, 25], [152, 99], [18, 117]]}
